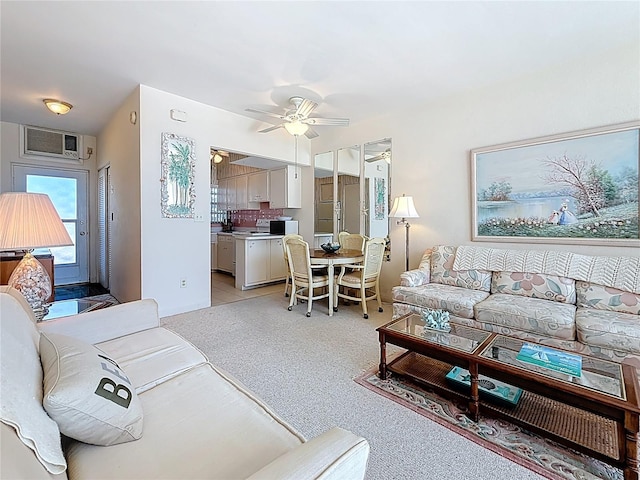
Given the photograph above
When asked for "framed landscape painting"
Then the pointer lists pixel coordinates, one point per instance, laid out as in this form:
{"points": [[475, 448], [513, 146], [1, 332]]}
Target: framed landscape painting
{"points": [[579, 187]]}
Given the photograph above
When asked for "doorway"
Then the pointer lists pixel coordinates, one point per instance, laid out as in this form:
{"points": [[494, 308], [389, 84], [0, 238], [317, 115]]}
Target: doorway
{"points": [[68, 190]]}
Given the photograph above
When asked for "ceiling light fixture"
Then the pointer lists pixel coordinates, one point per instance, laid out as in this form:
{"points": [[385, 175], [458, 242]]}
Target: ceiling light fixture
{"points": [[296, 127], [56, 106], [217, 158]]}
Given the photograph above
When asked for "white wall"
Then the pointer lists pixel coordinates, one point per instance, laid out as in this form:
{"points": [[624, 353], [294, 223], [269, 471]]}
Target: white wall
{"points": [[120, 149], [431, 144], [177, 248], [10, 155]]}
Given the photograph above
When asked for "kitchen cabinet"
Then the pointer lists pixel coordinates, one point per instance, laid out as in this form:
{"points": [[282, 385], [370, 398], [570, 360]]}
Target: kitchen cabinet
{"points": [[241, 192], [214, 252], [258, 187], [278, 269], [226, 254], [259, 261], [226, 189], [285, 187]]}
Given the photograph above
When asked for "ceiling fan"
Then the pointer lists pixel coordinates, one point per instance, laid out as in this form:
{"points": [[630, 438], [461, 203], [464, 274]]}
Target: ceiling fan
{"points": [[296, 120], [386, 155]]}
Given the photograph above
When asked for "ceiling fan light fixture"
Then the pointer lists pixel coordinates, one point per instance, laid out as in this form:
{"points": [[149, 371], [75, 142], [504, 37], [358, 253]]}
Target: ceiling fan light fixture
{"points": [[217, 158], [296, 127], [57, 106]]}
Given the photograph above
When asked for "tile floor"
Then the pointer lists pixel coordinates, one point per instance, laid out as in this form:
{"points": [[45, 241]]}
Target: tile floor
{"points": [[223, 290]]}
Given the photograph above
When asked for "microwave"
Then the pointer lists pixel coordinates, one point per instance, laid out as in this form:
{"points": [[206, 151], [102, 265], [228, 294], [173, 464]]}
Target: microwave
{"points": [[283, 227]]}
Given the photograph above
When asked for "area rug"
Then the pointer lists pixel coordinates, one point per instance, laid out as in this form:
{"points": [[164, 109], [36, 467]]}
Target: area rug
{"points": [[544, 457], [106, 300]]}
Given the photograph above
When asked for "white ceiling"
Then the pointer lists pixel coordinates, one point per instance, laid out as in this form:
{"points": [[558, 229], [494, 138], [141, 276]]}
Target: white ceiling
{"points": [[356, 59]]}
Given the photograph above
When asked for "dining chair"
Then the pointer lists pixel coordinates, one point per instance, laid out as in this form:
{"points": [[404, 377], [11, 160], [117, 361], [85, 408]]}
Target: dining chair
{"points": [[351, 241], [286, 259], [361, 277], [303, 275]]}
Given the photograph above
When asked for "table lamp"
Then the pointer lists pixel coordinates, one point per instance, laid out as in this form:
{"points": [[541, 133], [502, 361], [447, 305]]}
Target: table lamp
{"points": [[403, 208], [29, 221]]}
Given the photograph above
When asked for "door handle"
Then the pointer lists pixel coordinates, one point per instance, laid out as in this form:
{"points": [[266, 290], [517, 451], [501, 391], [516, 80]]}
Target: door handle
{"points": [[83, 233]]}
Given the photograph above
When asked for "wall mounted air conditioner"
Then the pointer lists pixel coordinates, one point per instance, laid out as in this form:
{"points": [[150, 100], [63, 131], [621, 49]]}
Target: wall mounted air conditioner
{"points": [[42, 142]]}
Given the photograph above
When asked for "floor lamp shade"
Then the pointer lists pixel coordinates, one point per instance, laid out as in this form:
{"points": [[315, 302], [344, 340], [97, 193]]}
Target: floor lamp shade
{"points": [[403, 208], [28, 221]]}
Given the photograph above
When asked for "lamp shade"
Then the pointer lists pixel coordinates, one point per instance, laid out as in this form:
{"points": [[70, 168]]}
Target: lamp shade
{"points": [[403, 208], [296, 127], [28, 221]]}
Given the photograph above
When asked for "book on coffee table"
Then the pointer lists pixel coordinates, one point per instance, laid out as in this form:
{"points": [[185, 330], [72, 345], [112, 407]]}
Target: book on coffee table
{"points": [[487, 387], [550, 358]]}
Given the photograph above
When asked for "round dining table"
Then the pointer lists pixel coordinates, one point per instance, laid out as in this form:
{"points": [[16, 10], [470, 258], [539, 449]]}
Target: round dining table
{"points": [[341, 257]]}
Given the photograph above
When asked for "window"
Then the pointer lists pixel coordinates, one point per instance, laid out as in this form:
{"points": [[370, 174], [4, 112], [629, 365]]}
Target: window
{"points": [[218, 214]]}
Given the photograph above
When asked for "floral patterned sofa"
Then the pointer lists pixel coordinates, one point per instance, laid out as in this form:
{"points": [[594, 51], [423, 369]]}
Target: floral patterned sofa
{"points": [[583, 303]]}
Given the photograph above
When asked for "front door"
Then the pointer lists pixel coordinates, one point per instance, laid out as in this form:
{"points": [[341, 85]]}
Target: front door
{"points": [[68, 190]]}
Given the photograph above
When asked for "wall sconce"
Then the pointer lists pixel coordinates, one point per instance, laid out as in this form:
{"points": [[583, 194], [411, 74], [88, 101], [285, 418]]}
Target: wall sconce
{"points": [[57, 106]]}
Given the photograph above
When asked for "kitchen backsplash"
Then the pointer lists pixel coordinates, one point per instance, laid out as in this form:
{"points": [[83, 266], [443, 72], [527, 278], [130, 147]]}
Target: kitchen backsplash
{"points": [[247, 218]]}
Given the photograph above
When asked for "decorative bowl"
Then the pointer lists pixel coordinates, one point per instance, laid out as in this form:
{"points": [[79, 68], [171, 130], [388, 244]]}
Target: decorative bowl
{"points": [[330, 247], [285, 218]]}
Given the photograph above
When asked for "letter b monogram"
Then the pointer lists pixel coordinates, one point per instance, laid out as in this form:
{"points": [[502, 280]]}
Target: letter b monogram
{"points": [[111, 391]]}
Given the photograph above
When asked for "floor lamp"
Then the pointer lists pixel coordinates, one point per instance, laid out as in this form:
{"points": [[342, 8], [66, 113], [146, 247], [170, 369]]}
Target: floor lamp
{"points": [[403, 208], [29, 221]]}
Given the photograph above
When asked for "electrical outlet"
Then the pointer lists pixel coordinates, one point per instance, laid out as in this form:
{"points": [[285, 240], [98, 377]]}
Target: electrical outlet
{"points": [[198, 217], [183, 283], [89, 151]]}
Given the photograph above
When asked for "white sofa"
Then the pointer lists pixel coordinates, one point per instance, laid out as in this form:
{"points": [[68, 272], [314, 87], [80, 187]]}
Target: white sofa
{"points": [[588, 304], [197, 422]]}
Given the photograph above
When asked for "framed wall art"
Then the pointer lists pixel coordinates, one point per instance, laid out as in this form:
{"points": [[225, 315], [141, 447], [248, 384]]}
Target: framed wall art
{"points": [[177, 187], [579, 187]]}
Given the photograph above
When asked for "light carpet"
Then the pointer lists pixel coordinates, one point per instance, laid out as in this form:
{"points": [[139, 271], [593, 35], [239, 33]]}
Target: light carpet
{"points": [[304, 369]]}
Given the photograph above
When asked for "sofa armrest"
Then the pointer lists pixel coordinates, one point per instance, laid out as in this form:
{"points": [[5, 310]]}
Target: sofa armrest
{"points": [[107, 323], [335, 455], [415, 278]]}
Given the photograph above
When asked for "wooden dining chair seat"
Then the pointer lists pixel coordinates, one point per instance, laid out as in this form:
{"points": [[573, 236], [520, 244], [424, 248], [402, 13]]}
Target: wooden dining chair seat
{"points": [[286, 259]]}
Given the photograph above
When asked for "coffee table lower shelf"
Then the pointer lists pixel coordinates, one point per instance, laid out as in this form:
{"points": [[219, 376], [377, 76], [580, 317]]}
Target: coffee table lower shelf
{"points": [[594, 434]]}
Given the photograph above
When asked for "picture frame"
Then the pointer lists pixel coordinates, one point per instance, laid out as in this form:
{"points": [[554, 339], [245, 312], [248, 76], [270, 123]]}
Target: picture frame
{"points": [[572, 188], [177, 177]]}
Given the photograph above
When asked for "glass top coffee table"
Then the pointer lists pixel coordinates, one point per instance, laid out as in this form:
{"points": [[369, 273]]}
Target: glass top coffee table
{"points": [[64, 308], [595, 411]]}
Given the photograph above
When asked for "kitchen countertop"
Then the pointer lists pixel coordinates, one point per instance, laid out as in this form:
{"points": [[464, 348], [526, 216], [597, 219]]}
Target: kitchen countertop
{"points": [[249, 234]]}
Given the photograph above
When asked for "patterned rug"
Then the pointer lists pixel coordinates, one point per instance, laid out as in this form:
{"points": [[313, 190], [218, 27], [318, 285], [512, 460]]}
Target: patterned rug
{"points": [[544, 457]]}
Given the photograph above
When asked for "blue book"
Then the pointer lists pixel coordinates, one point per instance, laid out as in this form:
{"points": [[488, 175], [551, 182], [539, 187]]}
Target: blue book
{"points": [[546, 357]]}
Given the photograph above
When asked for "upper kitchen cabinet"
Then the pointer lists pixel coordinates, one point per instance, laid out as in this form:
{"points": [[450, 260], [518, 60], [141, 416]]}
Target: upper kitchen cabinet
{"points": [[242, 185], [285, 187], [258, 187]]}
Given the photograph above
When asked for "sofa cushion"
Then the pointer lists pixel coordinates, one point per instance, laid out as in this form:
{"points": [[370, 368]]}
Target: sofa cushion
{"points": [[21, 388], [456, 300], [442, 258], [528, 314], [152, 356], [87, 393], [614, 330], [220, 431], [591, 295], [547, 287]]}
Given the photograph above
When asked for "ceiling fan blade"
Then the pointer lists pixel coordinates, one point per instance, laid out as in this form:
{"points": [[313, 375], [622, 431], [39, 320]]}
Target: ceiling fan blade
{"points": [[264, 112], [305, 108], [374, 159], [270, 129], [311, 133], [340, 122]]}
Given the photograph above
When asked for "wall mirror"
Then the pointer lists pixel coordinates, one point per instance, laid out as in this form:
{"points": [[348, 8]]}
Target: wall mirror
{"points": [[347, 205], [377, 191], [323, 192]]}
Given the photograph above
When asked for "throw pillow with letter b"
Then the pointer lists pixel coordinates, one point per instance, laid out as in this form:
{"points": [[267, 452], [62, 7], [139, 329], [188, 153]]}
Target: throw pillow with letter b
{"points": [[87, 393]]}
